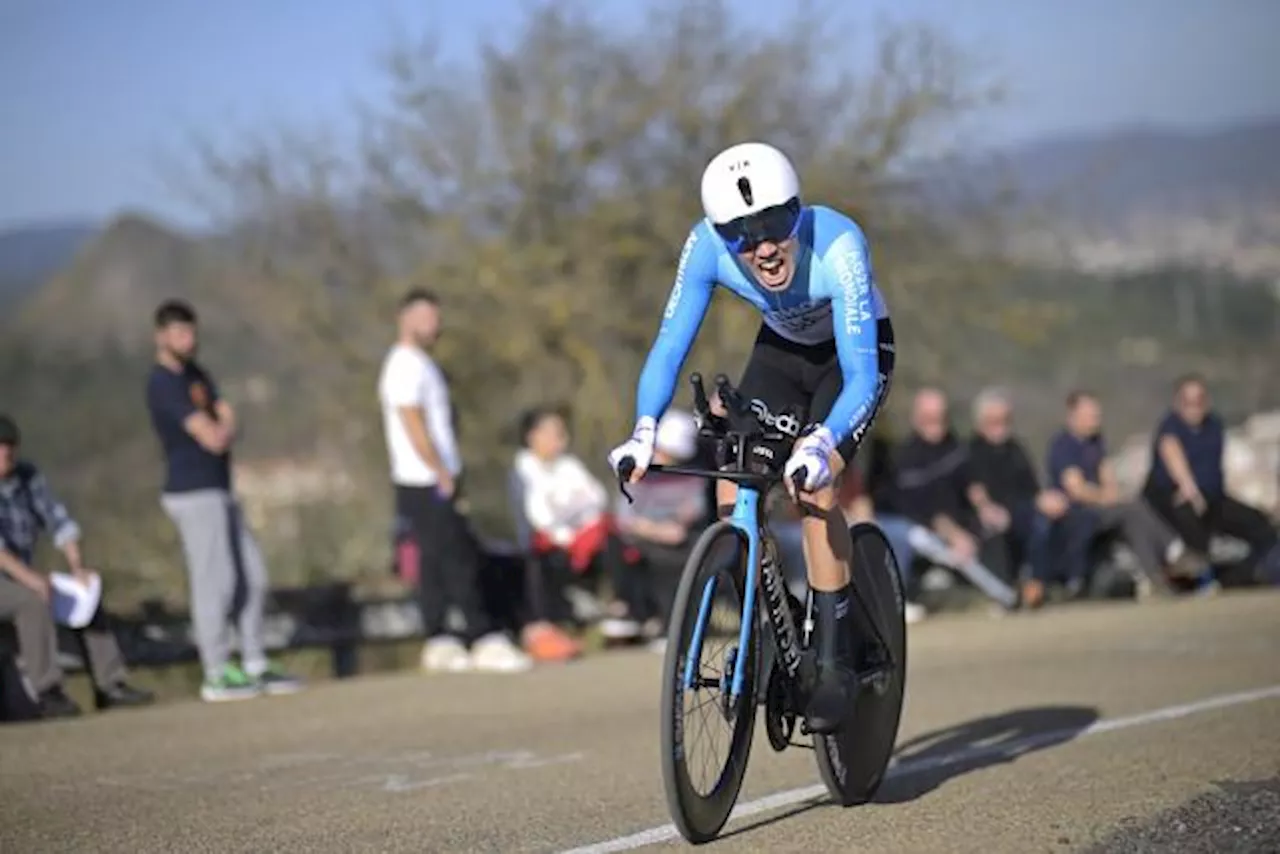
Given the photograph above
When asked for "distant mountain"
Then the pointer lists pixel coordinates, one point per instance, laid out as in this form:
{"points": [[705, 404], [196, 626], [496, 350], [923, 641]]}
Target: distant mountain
{"points": [[1109, 177], [103, 299], [1140, 197], [30, 254]]}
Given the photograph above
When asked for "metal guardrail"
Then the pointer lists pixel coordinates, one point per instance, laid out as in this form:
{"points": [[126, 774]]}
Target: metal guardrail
{"points": [[325, 616], [322, 617]]}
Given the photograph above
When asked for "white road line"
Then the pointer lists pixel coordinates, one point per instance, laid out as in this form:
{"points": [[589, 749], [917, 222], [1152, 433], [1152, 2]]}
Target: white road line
{"points": [[789, 797]]}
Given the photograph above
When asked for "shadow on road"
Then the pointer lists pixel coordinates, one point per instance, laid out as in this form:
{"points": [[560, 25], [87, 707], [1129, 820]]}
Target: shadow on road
{"points": [[927, 761]]}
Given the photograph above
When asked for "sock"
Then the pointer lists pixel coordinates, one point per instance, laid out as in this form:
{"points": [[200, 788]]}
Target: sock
{"points": [[1175, 551], [833, 625]]}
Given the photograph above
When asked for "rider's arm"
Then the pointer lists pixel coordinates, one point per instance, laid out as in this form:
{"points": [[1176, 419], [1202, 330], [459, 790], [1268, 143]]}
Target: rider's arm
{"points": [[857, 348], [685, 309]]}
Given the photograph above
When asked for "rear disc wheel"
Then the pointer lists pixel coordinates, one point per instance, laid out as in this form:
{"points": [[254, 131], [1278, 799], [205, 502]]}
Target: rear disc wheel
{"points": [[852, 760]]}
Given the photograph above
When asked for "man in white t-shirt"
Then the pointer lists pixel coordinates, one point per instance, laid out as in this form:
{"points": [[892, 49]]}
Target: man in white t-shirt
{"points": [[425, 467]]}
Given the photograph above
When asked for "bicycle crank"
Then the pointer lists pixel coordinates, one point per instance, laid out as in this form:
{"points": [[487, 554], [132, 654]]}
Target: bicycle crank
{"points": [[779, 719]]}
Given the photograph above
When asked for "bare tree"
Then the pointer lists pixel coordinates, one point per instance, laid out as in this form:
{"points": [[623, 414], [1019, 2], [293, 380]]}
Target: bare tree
{"points": [[546, 196]]}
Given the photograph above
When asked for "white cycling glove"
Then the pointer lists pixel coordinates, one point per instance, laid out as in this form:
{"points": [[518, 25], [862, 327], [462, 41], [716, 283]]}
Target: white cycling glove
{"points": [[812, 453], [639, 447]]}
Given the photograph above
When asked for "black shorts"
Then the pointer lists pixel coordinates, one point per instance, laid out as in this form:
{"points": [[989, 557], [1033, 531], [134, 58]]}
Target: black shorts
{"points": [[806, 378]]}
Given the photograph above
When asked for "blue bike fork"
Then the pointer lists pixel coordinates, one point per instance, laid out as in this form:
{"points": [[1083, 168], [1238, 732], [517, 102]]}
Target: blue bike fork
{"points": [[746, 519]]}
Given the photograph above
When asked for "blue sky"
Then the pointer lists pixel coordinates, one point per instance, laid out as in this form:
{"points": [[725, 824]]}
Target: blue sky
{"points": [[93, 94]]}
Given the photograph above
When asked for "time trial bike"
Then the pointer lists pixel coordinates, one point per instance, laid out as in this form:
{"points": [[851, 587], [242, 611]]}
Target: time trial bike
{"points": [[768, 659]]}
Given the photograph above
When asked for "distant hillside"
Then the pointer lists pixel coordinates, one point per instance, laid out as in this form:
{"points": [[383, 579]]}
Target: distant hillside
{"points": [[103, 299], [31, 254], [1140, 197]]}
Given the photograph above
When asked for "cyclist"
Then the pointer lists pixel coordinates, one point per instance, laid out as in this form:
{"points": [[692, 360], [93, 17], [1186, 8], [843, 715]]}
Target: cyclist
{"points": [[825, 346]]}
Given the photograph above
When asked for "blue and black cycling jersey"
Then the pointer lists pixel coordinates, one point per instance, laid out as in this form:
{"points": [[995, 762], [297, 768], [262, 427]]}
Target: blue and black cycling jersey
{"points": [[832, 296]]}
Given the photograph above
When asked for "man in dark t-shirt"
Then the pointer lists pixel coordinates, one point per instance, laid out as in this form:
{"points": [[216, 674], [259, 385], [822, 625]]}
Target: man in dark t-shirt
{"points": [[196, 428], [1187, 486], [172, 398], [926, 508], [1007, 493], [1078, 466]]}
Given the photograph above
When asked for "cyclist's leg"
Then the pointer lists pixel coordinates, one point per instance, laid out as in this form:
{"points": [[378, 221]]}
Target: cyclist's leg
{"points": [[827, 543], [828, 549]]}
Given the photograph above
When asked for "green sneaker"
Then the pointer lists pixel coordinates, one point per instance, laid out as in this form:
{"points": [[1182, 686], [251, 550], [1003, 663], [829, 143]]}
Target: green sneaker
{"points": [[273, 680], [231, 684]]}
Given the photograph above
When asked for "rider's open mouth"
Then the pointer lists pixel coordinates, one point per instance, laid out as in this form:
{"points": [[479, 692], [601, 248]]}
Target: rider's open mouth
{"points": [[773, 272]]}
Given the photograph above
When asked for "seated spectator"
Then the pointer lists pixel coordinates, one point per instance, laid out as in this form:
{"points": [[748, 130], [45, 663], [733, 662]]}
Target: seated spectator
{"points": [[668, 513], [1007, 494], [27, 506], [566, 507], [924, 508], [1186, 484], [1077, 465]]}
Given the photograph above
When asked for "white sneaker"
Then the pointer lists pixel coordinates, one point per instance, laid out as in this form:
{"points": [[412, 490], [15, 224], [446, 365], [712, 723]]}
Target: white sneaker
{"points": [[445, 654], [914, 612], [495, 653], [619, 628]]}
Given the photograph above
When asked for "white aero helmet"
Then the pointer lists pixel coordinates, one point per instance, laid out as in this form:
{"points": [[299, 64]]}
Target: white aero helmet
{"points": [[750, 192]]}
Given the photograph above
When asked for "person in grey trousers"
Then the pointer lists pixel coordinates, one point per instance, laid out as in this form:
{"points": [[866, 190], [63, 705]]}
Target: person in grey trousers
{"points": [[227, 575]]}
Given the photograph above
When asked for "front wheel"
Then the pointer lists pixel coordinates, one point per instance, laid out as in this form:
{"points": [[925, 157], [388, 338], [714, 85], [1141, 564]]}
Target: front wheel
{"points": [[852, 760], [701, 788]]}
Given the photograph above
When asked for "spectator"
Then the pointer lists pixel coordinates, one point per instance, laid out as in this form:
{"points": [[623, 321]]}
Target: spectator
{"points": [[425, 469], [924, 505], [874, 464], [566, 507], [196, 428], [27, 506], [1007, 494], [1186, 484], [1078, 466], [665, 518]]}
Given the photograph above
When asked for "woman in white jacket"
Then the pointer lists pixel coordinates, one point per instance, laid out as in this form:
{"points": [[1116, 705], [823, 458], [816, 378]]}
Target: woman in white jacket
{"points": [[567, 509]]}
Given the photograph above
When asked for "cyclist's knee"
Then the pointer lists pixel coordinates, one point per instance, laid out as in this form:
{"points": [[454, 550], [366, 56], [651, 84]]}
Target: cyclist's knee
{"points": [[726, 497]]}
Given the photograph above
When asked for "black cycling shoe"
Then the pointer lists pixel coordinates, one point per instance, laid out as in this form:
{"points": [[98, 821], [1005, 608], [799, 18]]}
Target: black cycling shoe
{"points": [[831, 703]]}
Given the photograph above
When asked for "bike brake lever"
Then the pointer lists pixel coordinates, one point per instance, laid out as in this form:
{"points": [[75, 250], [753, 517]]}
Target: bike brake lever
{"points": [[625, 468], [730, 397]]}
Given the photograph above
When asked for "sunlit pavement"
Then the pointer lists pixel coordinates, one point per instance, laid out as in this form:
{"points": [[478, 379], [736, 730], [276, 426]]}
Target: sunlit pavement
{"points": [[1068, 730]]}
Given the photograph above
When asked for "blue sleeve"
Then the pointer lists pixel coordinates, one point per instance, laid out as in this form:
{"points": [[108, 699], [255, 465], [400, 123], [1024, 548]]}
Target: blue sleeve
{"points": [[168, 397], [854, 322], [681, 319]]}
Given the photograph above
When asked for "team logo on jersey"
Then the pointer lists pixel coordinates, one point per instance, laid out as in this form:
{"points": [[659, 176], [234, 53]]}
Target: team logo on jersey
{"points": [[670, 311], [801, 317], [855, 283]]}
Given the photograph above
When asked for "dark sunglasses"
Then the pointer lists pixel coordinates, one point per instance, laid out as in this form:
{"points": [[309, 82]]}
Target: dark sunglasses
{"points": [[774, 225]]}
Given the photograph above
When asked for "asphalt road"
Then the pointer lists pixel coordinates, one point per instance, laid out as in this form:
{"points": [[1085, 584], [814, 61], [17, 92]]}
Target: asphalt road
{"points": [[1098, 728]]}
